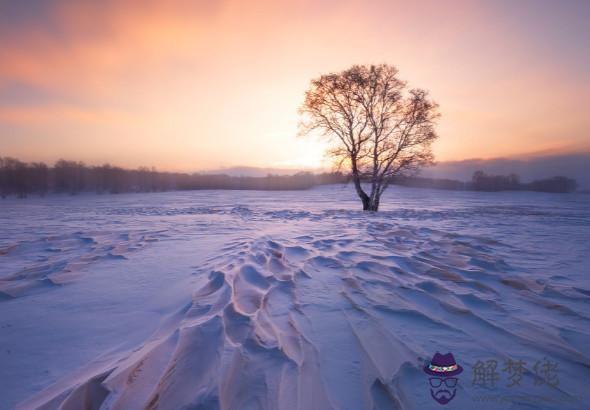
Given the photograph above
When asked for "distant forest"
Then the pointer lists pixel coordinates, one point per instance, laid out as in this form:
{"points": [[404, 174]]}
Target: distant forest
{"points": [[493, 183], [21, 179]]}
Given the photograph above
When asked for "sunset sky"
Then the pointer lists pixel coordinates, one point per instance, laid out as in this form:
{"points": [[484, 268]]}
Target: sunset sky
{"points": [[192, 85]]}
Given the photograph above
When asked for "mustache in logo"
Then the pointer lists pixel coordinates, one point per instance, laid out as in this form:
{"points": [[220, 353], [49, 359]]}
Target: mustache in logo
{"points": [[443, 396]]}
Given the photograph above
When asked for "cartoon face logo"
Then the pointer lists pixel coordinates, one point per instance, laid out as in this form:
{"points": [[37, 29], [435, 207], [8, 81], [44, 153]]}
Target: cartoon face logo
{"points": [[442, 371]]}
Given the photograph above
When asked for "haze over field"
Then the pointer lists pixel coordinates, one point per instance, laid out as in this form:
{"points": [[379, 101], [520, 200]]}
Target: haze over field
{"points": [[575, 165]]}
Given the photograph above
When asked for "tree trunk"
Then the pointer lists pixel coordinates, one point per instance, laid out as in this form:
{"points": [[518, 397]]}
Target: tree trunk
{"points": [[374, 199], [362, 195], [359, 189], [373, 205], [366, 203]]}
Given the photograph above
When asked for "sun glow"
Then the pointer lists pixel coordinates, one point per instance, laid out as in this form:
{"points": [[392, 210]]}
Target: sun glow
{"points": [[188, 86], [307, 154]]}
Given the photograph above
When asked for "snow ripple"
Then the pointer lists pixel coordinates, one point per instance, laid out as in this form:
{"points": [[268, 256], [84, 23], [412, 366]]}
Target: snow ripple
{"points": [[326, 321]]}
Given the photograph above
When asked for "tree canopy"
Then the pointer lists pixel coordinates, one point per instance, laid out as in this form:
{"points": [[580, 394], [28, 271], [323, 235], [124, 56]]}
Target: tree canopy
{"points": [[379, 127]]}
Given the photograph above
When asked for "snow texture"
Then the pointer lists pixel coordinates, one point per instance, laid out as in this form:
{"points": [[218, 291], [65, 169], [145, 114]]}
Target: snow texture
{"points": [[290, 300]]}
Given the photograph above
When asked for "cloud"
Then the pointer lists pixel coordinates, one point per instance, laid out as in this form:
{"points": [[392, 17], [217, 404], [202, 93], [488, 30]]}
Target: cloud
{"points": [[573, 165]]}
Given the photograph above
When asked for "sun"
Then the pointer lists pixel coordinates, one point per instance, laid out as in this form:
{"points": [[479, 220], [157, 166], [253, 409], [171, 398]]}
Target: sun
{"points": [[306, 153]]}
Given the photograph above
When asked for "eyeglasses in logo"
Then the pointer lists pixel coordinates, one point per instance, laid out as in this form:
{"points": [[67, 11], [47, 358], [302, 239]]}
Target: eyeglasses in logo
{"points": [[442, 371]]}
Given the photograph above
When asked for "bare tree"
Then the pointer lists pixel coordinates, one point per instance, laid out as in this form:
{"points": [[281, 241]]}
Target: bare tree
{"points": [[378, 127]]}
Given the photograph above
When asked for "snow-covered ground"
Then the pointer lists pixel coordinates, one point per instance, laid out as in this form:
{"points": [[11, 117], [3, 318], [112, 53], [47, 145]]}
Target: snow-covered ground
{"points": [[293, 300]]}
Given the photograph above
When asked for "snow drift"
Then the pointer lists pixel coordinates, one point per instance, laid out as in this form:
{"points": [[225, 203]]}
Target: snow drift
{"points": [[317, 306]]}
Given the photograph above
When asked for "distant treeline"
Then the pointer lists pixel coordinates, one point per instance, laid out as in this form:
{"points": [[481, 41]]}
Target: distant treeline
{"points": [[22, 179], [493, 183]]}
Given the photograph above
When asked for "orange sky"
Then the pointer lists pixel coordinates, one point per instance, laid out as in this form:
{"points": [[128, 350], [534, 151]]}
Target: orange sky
{"points": [[189, 85]]}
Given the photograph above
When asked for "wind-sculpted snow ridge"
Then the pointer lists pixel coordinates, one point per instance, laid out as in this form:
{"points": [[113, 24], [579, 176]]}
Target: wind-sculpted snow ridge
{"points": [[33, 265], [341, 317], [173, 211]]}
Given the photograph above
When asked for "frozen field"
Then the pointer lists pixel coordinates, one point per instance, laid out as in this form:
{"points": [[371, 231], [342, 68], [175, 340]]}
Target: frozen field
{"points": [[292, 300]]}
